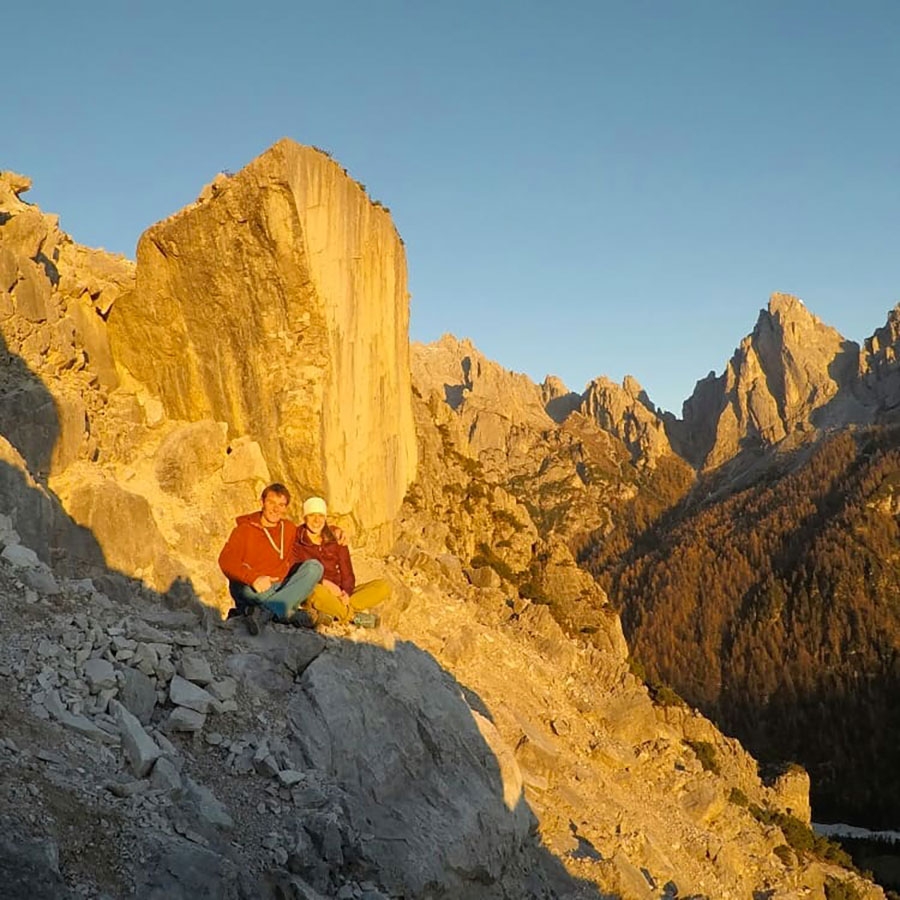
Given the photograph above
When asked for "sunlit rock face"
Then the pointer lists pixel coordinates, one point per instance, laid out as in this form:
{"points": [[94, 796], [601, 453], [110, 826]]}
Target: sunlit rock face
{"points": [[879, 368], [626, 411], [278, 304], [791, 375]]}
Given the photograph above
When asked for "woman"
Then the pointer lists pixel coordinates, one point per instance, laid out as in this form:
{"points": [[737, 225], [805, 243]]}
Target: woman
{"points": [[337, 594]]}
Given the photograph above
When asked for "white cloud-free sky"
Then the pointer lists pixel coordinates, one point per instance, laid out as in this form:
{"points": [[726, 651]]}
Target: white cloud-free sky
{"points": [[584, 188]]}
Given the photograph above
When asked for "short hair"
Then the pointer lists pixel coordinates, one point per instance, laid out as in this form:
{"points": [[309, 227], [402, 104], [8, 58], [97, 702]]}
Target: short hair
{"points": [[276, 488]]}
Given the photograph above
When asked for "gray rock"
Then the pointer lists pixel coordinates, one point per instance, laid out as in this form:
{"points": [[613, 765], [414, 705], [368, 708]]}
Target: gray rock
{"points": [[267, 766], [223, 689], [208, 808], [194, 667], [143, 633], [127, 788], [20, 557], [186, 639], [165, 775], [168, 748], [31, 869], [426, 761], [85, 726], [302, 649], [183, 871], [120, 642], [164, 670], [185, 693], [183, 719], [140, 749], [145, 658], [100, 675], [290, 777], [42, 580], [47, 649], [138, 695], [82, 586], [101, 702]]}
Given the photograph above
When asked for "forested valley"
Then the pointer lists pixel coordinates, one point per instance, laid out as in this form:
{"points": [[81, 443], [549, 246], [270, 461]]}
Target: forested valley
{"points": [[775, 609]]}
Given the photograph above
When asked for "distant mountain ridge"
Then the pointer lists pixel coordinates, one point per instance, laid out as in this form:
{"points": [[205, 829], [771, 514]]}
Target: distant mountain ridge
{"points": [[724, 538], [791, 377]]}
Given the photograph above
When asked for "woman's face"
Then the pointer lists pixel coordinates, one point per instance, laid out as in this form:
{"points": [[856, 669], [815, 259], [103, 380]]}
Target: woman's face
{"points": [[315, 522]]}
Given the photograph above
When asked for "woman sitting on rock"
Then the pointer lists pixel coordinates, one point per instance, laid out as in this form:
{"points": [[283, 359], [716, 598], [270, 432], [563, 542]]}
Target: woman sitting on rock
{"points": [[336, 595]]}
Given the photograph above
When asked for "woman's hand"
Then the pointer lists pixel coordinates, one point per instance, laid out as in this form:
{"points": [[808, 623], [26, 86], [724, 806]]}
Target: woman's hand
{"points": [[262, 583]]}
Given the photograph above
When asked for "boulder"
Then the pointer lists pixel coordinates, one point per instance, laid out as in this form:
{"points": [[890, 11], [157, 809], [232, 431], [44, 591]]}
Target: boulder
{"points": [[140, 749], [121, 521], [185, 693], [189, 454], [245, 462], [426, 761], [138, 695]]}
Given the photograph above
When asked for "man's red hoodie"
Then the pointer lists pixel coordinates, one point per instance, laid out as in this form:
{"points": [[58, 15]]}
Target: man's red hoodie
{"points": [[252, 550]]}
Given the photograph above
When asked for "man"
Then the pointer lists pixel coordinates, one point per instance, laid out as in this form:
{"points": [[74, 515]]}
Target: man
{"points": [[258, 562]]}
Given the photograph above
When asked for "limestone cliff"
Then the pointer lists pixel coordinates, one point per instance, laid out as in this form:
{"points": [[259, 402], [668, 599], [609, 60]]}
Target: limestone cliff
{"points": [[880, 365], [278, 305], [495, 406], [570, 459], [626, 412], [269, 343]]}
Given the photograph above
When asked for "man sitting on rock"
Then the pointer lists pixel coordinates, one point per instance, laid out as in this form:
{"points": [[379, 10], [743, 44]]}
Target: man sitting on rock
{"points": [[258, 562]]}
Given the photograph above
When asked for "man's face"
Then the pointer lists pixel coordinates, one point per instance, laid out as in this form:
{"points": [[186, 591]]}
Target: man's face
{"points": [[274, 508], [315, 522]]}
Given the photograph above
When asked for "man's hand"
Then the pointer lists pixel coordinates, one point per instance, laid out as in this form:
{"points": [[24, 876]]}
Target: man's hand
{"points": [[339, 534], [262, 583]]}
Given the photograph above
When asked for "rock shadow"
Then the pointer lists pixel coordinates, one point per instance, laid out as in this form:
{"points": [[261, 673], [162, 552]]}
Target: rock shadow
{"points": [[559, 408], [28, 415], [29, 430], [855, 402]]}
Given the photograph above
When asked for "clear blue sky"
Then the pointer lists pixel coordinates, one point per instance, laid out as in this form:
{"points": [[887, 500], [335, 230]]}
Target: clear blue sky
{"points": [[584, 188]]}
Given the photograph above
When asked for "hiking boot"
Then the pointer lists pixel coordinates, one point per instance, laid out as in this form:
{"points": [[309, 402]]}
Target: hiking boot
{"points": [[256, 618], [303, 618], [365, 620]]}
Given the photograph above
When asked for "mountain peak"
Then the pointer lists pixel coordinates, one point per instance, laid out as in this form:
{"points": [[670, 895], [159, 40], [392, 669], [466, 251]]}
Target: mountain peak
{"points": [[783, 303], [786, 309]]}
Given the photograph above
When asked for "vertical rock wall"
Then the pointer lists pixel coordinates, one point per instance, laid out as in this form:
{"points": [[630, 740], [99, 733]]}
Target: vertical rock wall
{"points": [[278, 304]]}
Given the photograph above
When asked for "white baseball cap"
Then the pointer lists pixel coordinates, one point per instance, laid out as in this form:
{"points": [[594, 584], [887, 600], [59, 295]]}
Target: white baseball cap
{"points": [[314, 505]]}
